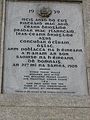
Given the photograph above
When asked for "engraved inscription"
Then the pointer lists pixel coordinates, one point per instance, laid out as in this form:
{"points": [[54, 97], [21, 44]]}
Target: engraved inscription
{"points": [[44, 53]]}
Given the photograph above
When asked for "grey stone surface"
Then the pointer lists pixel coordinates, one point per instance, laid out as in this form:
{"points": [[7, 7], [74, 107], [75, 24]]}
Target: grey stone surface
{"points": [[86, 9], [44, 113], [14, 80], [42, 100], [88, 70], [0, 43], [24, 107], [88, 43]]}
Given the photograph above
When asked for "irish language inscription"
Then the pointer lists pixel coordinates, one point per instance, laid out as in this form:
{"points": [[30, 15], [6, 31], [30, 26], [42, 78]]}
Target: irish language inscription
{"points": [[44, 49]]}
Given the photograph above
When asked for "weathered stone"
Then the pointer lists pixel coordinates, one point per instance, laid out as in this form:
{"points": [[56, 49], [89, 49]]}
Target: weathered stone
{"points": [[24, 107], [44, 113]]}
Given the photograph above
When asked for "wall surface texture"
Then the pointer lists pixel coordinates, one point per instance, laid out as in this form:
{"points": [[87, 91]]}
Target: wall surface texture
{"points": [[48, 107]]}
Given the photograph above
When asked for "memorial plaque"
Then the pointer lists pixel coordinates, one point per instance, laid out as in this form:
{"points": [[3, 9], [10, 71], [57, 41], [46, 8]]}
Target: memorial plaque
{"points": [[44, 48]]}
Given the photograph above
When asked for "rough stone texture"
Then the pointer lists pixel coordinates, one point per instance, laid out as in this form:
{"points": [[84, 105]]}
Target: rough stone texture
{"points": [[42, 100], [36, 107], [0, 41], [86, 7], [88, 70], [44, 113]]}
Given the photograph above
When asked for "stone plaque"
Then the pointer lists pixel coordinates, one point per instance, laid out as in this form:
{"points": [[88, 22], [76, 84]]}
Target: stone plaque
{"points": [[44, 48]]}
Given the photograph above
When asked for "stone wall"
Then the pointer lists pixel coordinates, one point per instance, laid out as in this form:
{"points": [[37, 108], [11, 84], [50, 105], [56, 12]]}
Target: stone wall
{"points": [[43, 107]]}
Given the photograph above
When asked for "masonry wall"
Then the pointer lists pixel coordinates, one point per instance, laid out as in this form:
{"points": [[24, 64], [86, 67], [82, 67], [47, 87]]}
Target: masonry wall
{"points": [[46, 107]]}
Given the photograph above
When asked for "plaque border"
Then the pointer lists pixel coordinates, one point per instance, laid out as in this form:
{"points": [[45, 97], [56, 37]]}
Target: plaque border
{"points": [[3, 35]]}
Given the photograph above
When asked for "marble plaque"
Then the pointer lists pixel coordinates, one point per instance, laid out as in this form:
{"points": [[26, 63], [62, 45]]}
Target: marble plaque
{"points": [[44, 49]]}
